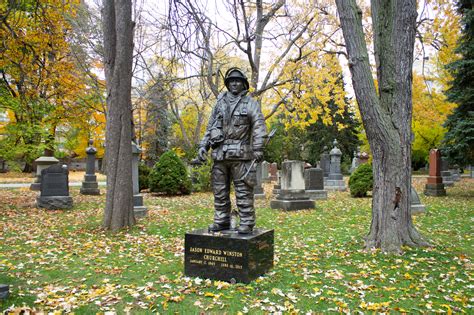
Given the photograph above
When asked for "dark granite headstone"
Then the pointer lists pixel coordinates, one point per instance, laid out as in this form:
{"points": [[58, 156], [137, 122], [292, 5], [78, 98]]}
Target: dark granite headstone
{"points": [[54, 190], [54, 181], [4, 291], [314, 184], [446, 173], [227, 255]]}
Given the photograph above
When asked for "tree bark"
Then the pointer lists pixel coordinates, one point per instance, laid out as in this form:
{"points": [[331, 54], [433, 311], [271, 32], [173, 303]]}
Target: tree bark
{"points": [[386, 116], [118, 46]]}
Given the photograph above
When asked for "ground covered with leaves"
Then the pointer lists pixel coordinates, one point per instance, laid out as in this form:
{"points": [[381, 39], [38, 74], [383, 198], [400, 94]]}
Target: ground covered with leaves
{"points": [[63, 261]]}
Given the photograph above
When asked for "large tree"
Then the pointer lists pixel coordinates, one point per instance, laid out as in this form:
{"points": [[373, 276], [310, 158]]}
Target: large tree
{"points": [[459, 140], [386, 113], [118, 48]]}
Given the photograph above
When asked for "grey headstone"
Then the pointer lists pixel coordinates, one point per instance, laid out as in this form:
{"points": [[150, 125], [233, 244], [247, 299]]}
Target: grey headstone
{"points": [[335, 179], [139, 208], [265, 172], [258, 191], [90, 185], [416, 205], [292, 194], [325, 164], [446, 173]]}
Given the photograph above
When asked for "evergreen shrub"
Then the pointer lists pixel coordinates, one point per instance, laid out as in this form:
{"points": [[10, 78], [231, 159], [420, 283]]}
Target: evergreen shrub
{"points": [[201, 177], [143, 173], [361, 181], [169, 175]]}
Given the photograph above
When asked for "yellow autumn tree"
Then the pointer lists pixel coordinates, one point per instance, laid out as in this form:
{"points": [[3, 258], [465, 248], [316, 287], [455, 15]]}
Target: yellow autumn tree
{"points": [[40, 82]]}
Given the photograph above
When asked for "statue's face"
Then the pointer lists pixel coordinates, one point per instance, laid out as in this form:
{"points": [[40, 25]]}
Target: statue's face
{"points": [[236, 86]]}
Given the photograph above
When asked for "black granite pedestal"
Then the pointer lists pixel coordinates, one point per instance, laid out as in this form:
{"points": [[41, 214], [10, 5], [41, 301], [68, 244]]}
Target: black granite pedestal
{"points": [[227, 255]]}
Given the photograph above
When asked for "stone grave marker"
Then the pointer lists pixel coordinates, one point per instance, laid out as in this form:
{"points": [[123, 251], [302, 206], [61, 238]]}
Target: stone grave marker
{"points": [[258, 191], [434, 185], [4, 291], [273, 171], [265, 172], [54, 191], [139, 208], [355, 162], [325, 162], [335, 179], [292, 193], [314, 184], [416, 206], [446, 173], [90, 185], [42, 163]]}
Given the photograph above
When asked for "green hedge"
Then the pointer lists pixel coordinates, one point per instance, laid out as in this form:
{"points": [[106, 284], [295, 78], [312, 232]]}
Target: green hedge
{"points": [[361, 181], [169, 175]]}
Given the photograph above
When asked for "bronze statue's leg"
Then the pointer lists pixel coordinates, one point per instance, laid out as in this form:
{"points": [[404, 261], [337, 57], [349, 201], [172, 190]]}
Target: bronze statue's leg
{"points": [[244, 195], [221, 187]]}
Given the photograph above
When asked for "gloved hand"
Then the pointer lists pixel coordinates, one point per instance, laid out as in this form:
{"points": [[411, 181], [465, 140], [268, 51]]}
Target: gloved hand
{"points": [[202, 154], [258, 155]]}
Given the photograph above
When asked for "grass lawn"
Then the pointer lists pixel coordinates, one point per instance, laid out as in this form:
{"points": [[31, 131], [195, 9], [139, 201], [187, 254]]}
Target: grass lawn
{"points": [[64, 261]]}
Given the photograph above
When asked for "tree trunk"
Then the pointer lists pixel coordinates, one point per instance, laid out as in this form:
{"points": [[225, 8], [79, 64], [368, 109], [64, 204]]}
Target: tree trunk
{"points": [[118, 46], [386, 116]]}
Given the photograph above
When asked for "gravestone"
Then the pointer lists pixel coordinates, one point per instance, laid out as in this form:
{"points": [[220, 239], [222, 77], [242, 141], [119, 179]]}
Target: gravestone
{"points": [[416, 206], [455, 174], [292, 194], [54, 191], [355, 162], [265, 172], [314, 184], [4, 291], [227, 255], [325, 162], [42, 163], [273, 171], [90, 185], [258, 191], [277, 186], [139, 208], [434, 185], [335, 179], [446, 173]]}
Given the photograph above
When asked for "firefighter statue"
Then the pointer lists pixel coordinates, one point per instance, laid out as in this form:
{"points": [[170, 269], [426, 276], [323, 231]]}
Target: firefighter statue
{"points": [[236, 132]]}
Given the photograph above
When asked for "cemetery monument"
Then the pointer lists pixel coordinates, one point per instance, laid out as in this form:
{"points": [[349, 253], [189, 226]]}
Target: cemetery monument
{"points": [[54, 191], [90, 185], [434, 185], [236, 134], [292, 194]]}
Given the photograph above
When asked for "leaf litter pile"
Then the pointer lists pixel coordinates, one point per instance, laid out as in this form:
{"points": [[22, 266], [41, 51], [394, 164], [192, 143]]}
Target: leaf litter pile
{"points": [[62, 261]]}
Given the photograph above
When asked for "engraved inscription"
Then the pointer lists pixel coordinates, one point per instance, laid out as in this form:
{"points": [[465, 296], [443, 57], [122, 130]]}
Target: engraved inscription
{"points": [[216, 257]]}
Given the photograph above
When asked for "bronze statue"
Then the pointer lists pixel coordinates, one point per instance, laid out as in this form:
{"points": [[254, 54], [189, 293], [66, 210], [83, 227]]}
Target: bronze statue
{"points": [[236, 133]]}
